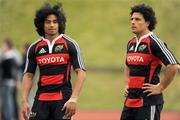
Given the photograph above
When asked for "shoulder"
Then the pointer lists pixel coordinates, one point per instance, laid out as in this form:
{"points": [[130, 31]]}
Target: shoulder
{"points": [[72, 44], [132, 40], [33, 45], [69, 40], [155, 40]]}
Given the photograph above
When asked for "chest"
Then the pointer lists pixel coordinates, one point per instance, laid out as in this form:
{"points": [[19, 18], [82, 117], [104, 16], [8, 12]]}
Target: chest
{"points": [[52, 54], [138, 54]]}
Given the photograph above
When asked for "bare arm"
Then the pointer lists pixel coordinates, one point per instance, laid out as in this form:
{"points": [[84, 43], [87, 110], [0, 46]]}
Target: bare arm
{"points": [[170, 73], [70, 105], [26, 87], [81, 75]]}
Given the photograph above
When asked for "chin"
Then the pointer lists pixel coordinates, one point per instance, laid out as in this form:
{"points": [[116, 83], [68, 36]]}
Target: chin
{"points": [[135, 32], [52, 33]]}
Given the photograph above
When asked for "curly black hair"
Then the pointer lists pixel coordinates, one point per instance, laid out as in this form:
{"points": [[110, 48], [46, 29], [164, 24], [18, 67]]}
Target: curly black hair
{"points": [[148, 14], [46, 10]]}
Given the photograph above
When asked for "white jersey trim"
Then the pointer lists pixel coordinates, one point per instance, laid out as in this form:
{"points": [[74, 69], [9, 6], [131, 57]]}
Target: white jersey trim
{"points": [[80, 59], [166, 52], [51, 44], [27, 60]]}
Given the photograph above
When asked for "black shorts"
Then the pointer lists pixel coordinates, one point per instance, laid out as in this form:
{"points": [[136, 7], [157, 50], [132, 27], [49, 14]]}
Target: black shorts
{"points": [[142, 113], [48, 110]]}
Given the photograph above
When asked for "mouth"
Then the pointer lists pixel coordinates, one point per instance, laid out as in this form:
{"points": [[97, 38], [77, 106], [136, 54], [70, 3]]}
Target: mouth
{"points": [[133, 27], [51, 29]]}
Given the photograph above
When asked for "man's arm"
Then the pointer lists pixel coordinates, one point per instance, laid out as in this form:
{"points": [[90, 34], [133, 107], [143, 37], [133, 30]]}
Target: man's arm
{"points": [[70, 105], [81, 75], [170, 72], [26, 87], [160, 50]]}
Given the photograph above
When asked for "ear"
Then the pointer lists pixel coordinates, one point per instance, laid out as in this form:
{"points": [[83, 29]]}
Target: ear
{"points": [[147, 23]]}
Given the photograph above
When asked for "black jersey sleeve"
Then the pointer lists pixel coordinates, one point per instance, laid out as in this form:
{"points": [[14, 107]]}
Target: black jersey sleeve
{"points": [[75, 54], [160, 50], [30, 60], [127, 49]]}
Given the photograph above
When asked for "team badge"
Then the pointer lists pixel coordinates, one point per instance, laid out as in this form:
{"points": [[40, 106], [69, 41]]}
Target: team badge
{"points": [[142, 47], [58, 48]]}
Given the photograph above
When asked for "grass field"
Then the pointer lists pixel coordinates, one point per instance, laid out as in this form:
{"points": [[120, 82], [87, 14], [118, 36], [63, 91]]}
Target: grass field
{"points": [[105, 91], [101, 27]]}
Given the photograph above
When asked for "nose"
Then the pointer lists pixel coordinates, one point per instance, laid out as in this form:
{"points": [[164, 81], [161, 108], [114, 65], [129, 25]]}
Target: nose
{"points": [[52, 24], [132, 21]]}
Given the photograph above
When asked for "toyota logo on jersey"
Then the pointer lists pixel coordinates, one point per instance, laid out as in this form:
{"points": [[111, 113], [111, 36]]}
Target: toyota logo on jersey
{"points": [[138, 58], [53, 59], [135, 58]]}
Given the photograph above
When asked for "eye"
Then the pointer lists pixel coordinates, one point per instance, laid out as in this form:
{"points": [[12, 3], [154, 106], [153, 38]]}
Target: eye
{"points": [[138, 19], [55, 21], [47, 21]]}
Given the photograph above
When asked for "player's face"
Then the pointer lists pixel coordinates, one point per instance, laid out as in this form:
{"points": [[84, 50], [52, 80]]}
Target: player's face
{"points": [[51, 26], [138, 23]]}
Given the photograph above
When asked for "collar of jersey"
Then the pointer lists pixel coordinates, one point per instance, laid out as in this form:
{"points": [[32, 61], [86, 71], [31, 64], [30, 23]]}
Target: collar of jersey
{"points": [[142, 37], [53, 39], [51, 44]]}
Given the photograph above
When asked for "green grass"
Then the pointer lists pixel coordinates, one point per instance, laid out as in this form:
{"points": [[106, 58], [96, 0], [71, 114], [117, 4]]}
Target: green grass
{"points": [[102, 91], [105, 91], [172, 96], [101, 27]]}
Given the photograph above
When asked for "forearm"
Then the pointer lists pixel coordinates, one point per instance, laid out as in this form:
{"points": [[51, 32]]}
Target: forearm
{"points": [[170, 73], [26, 86], [81, 75]]}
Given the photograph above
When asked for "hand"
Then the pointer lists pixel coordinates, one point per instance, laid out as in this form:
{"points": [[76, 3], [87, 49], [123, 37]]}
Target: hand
{"points": [[25, 110], [152, 89], [126, 91], [70, 107]]}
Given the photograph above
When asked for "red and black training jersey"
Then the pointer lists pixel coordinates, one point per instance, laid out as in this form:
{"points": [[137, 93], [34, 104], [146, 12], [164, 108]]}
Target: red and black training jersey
{"points": [[144, 60], [54, 60]]}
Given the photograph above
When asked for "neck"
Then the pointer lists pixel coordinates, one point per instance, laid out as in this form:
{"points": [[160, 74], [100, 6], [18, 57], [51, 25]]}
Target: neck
{"points": [[139, 35], [51, 37]]}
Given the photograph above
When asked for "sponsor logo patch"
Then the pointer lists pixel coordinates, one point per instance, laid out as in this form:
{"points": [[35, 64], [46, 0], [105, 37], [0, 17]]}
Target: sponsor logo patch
{"points": [[51, 60], [135, 59]]}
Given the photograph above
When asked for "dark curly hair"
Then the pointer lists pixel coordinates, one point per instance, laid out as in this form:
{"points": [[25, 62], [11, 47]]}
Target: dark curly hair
{"points": [[148, 14], [46, 10]]}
